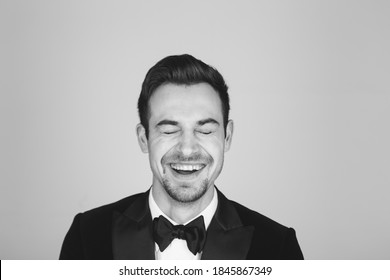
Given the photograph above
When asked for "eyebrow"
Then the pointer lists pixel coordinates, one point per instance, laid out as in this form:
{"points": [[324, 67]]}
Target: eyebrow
{"points": [[167, 122], [206, 121], [200, 123]]}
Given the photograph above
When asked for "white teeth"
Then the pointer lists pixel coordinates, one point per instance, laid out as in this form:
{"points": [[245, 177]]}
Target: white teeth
{"points": [[186, 167]]}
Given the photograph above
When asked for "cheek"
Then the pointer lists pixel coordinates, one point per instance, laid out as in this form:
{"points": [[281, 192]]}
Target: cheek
{"points": [[215, 148], [158, 148]]}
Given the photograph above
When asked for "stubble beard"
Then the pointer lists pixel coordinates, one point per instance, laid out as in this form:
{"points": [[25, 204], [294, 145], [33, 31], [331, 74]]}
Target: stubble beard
{"points": [[184, 193]]}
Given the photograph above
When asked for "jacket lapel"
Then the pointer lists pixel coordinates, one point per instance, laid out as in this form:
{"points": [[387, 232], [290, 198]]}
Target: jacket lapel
{"points": [[132, 233], [227, 238]]}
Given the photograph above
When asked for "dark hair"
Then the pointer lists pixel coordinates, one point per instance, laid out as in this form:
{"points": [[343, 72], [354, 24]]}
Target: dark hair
{"points": [[181, 70]]}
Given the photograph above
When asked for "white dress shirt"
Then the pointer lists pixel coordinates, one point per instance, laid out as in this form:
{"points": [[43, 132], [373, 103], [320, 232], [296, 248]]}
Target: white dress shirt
{"points": [[178, 249]]}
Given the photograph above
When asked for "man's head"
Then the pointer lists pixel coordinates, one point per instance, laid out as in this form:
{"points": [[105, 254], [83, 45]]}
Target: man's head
{"points": [[181, 70], [184, 108]]}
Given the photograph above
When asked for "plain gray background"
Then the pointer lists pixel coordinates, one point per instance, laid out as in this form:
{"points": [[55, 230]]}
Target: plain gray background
{"points": [[310, 96]]}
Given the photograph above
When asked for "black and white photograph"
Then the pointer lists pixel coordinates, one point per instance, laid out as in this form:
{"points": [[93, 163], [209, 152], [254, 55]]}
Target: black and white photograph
{"points": [[195, 130]]}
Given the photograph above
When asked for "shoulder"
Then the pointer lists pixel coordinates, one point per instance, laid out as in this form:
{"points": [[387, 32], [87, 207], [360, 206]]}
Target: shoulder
{"points": [[102, 213], [119, 206], [90, 234], [270, 239], [250, 217]]}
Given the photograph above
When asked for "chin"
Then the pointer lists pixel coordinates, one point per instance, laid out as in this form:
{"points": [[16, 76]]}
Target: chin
{"points": [[185, 193]]}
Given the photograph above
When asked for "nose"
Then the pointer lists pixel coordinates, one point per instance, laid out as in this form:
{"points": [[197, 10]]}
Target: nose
{"points": [[188, 144]]}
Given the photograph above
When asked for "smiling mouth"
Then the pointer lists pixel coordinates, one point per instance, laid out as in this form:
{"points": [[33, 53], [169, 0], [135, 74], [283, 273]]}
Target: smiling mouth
{"points": [[186, 169]]}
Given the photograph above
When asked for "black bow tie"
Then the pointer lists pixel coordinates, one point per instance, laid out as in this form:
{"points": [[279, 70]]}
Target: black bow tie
{"points": [[194, 233]]}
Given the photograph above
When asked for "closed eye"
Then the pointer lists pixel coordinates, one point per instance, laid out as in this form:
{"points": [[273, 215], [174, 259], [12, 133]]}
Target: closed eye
{"points": [[168, 127], [205, 132], [169, 132], [207, 126]]}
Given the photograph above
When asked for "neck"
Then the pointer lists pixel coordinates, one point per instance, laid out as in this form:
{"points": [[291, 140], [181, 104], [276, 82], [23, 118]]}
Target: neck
{"points": [[178, 211]]}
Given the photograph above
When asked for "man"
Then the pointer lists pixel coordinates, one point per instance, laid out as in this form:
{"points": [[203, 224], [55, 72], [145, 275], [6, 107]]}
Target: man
{"points": [[185, 129]]}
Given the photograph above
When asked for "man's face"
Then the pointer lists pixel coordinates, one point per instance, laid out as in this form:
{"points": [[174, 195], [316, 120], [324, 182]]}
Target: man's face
{"points": [[186, 142]]}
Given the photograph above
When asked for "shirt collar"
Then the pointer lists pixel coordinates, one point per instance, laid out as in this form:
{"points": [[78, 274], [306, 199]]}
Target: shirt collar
{"points": [[207, 213]]}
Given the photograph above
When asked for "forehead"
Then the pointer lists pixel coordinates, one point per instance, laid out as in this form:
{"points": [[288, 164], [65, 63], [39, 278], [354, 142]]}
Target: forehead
{"points": [[185, 102]]}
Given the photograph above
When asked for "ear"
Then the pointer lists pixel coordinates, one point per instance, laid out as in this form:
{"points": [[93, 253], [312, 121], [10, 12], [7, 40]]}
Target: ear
{"points": [[142, 140], [229, 135]]}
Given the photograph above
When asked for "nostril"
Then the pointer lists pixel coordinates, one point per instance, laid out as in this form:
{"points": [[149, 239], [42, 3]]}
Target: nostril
{"points": [[188, 148]]}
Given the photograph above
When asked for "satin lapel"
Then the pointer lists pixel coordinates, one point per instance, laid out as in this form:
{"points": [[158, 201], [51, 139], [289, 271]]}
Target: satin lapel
{"points": [[227, 238], [132, 237]]}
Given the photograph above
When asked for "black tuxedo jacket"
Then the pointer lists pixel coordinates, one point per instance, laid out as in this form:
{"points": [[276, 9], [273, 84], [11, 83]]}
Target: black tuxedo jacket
{"points": [[123, 230]]}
